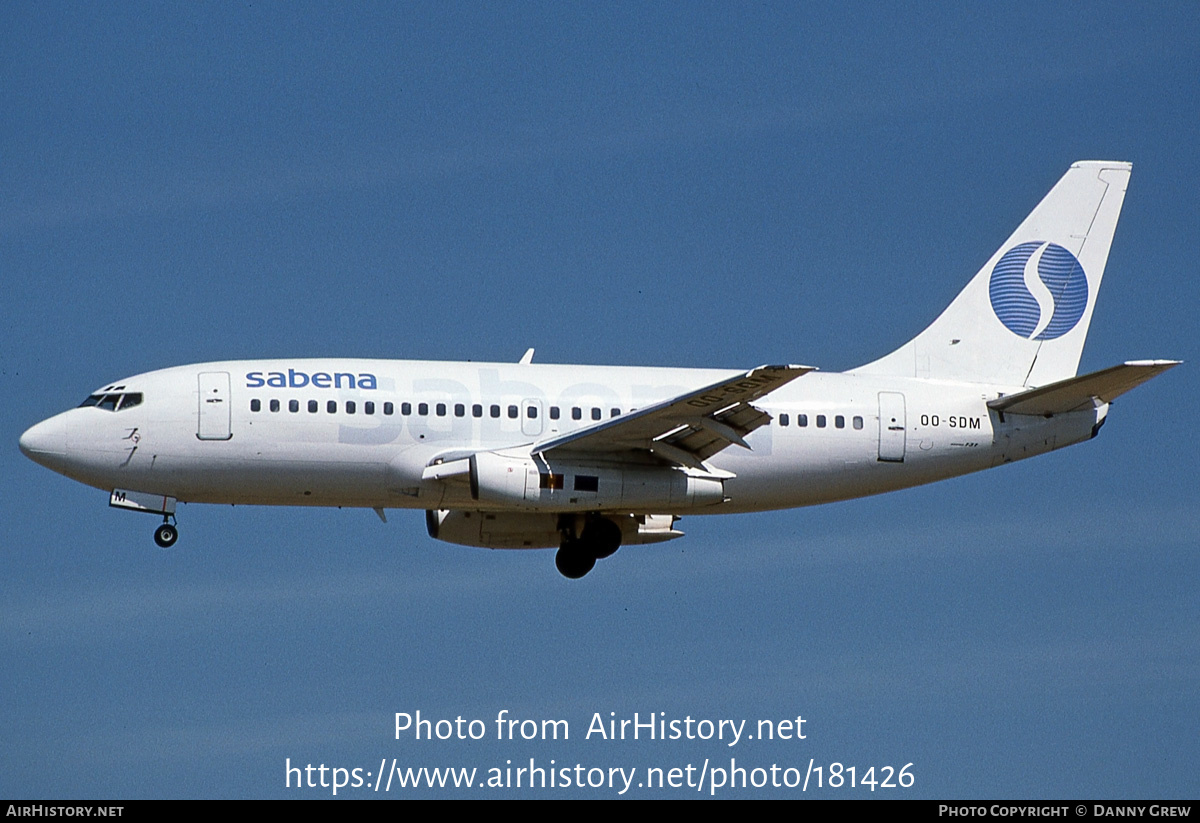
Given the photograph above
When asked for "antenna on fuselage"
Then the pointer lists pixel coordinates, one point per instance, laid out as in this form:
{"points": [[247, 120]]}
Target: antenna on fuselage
{"points": [[526, 358]]}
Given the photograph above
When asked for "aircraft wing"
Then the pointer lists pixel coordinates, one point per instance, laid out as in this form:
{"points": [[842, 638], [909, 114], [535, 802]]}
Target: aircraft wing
{"points": [[1081, 392], [689, 428]]}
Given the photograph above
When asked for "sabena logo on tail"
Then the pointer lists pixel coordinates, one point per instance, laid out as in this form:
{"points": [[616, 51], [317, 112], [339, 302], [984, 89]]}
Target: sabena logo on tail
{"points": [[1023, 318], [1038, 290]]}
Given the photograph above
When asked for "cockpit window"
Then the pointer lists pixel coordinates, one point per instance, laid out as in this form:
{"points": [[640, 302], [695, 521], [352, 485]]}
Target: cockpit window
{"points": [[114, 401]]}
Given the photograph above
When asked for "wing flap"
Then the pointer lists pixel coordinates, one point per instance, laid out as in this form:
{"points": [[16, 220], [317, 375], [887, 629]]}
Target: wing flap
{"points": [[1081, 392], [689, 428]]}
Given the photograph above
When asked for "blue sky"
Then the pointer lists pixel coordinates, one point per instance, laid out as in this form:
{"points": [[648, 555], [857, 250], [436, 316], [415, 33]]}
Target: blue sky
{"points": [[715, 185]]}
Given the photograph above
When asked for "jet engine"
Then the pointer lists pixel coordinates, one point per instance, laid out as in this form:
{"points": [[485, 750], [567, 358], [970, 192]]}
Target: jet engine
{"points": [[536, 483]]}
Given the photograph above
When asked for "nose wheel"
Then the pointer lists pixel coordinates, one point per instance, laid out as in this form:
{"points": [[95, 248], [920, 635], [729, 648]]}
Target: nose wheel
{"points": [[166, 535]]}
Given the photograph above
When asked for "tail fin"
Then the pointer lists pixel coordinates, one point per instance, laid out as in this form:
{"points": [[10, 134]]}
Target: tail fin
{"points": [[1023, 319]]}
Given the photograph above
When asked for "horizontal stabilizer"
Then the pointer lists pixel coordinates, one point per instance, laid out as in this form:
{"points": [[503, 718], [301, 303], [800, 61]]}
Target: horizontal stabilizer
{"points": [[1082, 392]]}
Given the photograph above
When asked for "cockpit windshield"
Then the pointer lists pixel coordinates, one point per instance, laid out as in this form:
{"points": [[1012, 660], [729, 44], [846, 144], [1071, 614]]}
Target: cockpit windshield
{"points": [[113, 402]]}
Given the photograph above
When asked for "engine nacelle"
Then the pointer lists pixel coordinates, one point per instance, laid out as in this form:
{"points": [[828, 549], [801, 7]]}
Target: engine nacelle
{"points": [[498, 530], [555, 485]]}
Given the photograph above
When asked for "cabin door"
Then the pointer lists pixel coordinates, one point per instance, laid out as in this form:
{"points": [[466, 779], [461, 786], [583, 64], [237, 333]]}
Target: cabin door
{"points": [[891, 427], [214, 406]]}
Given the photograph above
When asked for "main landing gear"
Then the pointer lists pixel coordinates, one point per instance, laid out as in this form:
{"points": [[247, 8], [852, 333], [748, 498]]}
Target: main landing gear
{"points": [[577, 556], [166, 534]]}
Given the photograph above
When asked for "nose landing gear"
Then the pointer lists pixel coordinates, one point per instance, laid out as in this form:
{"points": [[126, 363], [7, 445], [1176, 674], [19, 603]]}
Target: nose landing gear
{"points": [[166, 534]]}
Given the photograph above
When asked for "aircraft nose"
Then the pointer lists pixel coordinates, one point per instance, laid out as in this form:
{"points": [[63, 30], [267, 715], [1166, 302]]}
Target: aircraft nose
{"points": [[46, 442]]}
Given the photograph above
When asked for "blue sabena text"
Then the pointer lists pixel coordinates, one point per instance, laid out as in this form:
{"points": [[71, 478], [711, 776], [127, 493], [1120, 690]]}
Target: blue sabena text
{"points": [[320, 380]]}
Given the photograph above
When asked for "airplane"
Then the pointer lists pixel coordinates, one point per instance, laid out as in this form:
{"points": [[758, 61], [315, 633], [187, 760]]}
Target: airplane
{"points": [[586, 459]]}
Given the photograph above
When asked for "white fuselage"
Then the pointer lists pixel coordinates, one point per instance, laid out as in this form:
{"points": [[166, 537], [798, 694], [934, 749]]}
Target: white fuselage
{"points": [[362, 432]]}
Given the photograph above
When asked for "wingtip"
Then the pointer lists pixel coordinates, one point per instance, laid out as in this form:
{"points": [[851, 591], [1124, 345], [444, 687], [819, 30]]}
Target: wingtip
{"points": [[1162, 364]]}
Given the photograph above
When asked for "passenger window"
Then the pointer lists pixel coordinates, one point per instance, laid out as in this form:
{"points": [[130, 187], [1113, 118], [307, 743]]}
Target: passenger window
{"points": [[531, 412], [616, 412], [406, 408], [460, 410], [858, 423], [313, 405], [441, 409], [595, 413], [350, 407], [512, 412], [802, 420], [783, 419], [554, 412], [820, 421], [576, 413], [255, 405], [839, 421], [274, 405], [388, 408], [331, 407], [494, 411], [293, 405], [477, 410], [423, 409]]}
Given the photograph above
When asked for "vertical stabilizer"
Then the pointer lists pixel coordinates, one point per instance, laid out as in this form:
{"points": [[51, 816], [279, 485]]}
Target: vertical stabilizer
{"points": [[1023, 319]]}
